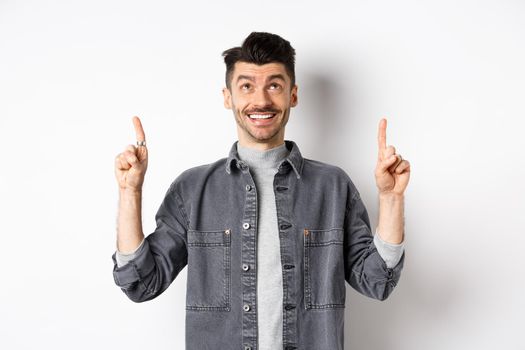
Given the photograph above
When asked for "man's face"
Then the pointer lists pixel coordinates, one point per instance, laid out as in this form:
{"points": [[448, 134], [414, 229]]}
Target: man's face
{"points": [[260, 91]]}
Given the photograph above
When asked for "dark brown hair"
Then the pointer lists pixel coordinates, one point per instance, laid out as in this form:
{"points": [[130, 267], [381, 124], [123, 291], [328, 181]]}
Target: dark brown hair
{"points": [[261, 48]]}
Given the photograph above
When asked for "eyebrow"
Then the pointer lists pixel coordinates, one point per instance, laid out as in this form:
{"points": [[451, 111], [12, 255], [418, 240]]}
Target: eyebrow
{"points": [[271, 77]]}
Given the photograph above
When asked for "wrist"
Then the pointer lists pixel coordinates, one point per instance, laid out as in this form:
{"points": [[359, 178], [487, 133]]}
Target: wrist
{"points": [[391, 196], [128, 192]]}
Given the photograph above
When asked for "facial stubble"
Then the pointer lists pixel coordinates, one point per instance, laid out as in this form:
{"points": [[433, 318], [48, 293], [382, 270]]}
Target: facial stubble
{"points": [[238, 115]]}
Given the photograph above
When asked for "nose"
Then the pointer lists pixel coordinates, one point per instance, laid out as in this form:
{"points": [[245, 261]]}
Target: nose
{"points": [[261, 98]]}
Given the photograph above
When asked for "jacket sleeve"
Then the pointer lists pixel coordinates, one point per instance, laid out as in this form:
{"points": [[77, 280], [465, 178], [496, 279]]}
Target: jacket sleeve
{"points": [[365, 269], [162, 256]]}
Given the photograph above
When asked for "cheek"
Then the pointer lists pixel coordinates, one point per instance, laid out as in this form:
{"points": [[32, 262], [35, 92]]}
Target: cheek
{"points": [[283, 101], [239, 104]]}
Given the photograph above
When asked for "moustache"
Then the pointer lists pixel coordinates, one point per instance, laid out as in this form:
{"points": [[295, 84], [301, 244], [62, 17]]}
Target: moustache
{"points": [[254, 111]]}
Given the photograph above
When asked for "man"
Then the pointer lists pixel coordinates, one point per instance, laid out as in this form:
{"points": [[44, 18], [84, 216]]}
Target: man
{"points": [[269, 237]]}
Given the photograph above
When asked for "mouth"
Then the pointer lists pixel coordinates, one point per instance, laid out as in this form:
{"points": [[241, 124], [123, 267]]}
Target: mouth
{"points": [[261, 116]]}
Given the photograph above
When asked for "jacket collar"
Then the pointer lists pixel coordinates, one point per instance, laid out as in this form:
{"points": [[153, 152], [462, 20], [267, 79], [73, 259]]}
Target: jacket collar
{"points": [[294, 159]]}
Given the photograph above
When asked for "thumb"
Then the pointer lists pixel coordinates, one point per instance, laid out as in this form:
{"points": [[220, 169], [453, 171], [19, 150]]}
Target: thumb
{"points": [[133, 160], [387, 163]]}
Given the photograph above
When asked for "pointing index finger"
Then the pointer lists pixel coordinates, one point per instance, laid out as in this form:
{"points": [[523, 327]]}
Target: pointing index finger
{"points": [[381, 135], [138, 129]]}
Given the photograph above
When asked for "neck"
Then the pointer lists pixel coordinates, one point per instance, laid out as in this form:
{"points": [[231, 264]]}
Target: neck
{"points": [[261, 145]]}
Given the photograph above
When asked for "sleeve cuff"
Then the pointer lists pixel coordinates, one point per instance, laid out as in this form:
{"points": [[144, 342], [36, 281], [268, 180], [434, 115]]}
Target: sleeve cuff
{"points": [[391, 253], [136, 270], [124, 258]]}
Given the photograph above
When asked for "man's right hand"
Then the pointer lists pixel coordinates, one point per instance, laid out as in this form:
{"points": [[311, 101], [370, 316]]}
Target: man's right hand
{"points": [[131, 165]]}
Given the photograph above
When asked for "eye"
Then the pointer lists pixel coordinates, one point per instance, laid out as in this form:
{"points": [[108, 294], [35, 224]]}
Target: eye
{"points": [[274, 86], [245, 86]]}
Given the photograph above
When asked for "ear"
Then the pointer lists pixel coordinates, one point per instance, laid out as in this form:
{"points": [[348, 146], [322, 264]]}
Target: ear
{"points": [[227, 98], [293, 97]]}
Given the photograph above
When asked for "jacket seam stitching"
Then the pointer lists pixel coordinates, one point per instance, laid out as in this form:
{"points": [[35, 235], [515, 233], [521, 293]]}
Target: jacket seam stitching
{"points": [[180, 207]]}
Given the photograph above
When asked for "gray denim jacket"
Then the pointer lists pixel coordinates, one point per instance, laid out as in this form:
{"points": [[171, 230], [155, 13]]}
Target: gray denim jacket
{"points": [[208, 221]]}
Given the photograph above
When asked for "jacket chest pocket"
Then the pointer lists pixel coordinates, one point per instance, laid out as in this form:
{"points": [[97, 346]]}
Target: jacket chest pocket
{"points": [[209, 270], [324, 278]]}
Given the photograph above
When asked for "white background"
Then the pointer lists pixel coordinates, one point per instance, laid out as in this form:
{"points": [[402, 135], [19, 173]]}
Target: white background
{"points": [[448, 75]]}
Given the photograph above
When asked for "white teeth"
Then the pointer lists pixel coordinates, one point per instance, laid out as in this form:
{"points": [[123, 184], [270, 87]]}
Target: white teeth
{"points": [[260, 116]]}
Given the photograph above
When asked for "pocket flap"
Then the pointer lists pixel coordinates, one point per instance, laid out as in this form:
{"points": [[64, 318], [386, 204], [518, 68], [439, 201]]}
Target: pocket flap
{"points": [[209, 238], [322, 237]]}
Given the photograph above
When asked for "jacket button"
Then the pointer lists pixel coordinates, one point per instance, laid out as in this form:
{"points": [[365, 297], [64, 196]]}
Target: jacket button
{"points": [[247, 348], [289, 306], [245, 267], [246, 226], [248, 187], [246, 307]]}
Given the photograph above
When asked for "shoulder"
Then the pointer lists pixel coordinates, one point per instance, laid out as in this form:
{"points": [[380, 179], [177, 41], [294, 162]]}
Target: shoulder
{"points": [[198, 174], [330, 175], [316, 168]]}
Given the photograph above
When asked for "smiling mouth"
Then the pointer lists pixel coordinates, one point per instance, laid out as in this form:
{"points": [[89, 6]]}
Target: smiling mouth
{"points": [[262, 115]]}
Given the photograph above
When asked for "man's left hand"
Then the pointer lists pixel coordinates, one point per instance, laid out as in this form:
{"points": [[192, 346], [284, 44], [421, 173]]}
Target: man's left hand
{"points": [[392, 171]]}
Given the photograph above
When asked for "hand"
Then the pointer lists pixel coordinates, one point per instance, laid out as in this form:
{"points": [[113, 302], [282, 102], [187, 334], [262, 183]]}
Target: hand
{"points": [[392, 172], [131, 165]]}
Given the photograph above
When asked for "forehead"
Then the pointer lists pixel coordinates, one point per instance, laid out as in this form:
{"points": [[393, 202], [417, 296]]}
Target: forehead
{"points": [[259, 72]]}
